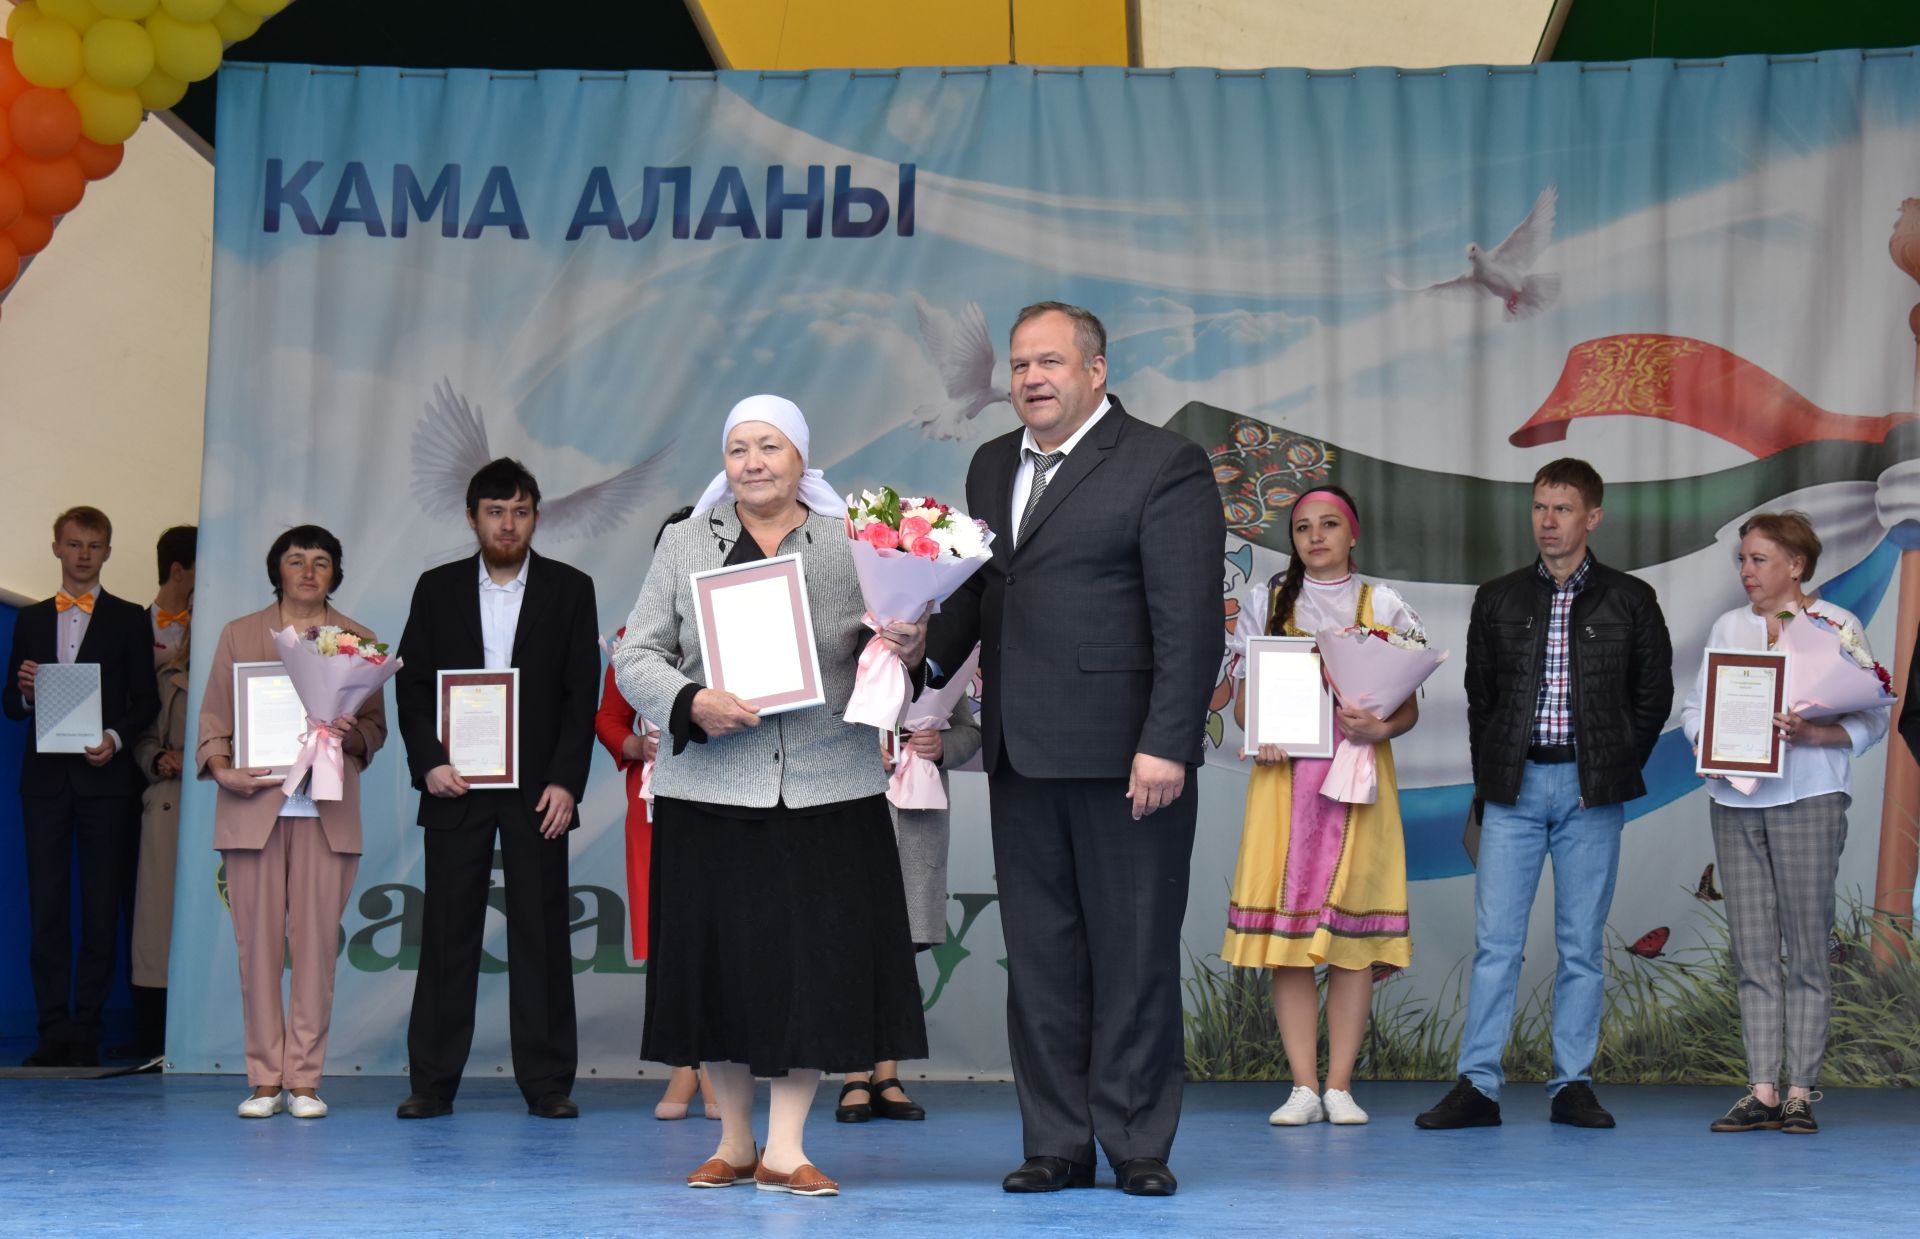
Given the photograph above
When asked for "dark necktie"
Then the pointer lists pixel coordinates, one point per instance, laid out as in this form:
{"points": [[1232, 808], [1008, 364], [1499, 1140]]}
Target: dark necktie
{"points": [[1042, 468]]}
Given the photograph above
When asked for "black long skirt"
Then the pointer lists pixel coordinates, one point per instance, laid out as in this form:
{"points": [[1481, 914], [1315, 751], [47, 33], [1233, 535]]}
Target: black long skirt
{"points": [[776, 942]]}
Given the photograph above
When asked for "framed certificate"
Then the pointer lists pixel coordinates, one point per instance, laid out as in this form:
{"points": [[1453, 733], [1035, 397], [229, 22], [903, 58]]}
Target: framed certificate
{"points": [[66, 708], [477, 716], [1745, 689], [268, 719], [756, 634], [1288, 702]]}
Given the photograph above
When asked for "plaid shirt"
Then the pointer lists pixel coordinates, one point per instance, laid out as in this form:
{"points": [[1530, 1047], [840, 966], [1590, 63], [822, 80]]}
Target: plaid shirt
{"points": [[1553, 703]]}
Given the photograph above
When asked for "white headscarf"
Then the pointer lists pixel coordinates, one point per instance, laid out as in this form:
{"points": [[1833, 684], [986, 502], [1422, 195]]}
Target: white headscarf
{"points": [[785, 416]]}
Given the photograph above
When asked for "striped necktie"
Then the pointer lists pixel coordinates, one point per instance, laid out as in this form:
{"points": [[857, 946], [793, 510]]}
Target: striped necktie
{"points": [[1042, 468]]}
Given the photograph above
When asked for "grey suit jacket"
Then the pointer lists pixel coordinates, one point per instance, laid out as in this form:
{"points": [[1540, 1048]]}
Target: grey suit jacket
{"points": [[1101, 632], [803, 757]]}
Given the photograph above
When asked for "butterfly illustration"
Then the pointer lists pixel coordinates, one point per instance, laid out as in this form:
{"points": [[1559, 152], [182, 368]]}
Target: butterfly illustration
{"points": [[1652, 944], [1837, 950], [1705, 892], [1382, 971]]}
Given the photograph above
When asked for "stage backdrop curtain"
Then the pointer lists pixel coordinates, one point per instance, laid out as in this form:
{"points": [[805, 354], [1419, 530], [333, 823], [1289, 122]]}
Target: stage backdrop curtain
{"points": [[1682, 275]]}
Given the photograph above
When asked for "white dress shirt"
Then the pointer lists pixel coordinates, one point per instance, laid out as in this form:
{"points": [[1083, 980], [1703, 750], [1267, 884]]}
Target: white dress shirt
{"points": [[500, 614], [1322, 604], [1023, 476], [1809, 770]]}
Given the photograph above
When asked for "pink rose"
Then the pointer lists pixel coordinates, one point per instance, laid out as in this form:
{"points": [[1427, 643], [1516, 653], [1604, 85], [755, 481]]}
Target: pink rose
{"points": [[926, 548], [376, 659], [348, 641], [880, 537], [914, 527]]}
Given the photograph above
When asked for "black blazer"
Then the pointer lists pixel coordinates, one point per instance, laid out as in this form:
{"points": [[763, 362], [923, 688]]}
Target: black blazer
{"points": [[1102, 631], [555, 647], [120, 639]]}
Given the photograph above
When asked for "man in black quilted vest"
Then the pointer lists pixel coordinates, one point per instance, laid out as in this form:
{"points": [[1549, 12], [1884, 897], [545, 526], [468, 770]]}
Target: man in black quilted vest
{"points": [[1569, 679]]}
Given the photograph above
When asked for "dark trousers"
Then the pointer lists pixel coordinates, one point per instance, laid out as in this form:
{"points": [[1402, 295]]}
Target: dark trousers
{"points": [[1090, 906], [71, 999], [459, 864]]}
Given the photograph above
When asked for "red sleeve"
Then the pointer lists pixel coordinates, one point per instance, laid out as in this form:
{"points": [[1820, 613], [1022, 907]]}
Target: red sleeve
{"points": [[613, 722]]}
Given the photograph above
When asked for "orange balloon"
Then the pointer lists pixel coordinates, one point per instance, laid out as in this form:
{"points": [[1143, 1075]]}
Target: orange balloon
{"points": [[9, 263], [29, 234], [6, 135], [13, 199], [44, 123], [12, 84], [97, 160], [53, 186]]}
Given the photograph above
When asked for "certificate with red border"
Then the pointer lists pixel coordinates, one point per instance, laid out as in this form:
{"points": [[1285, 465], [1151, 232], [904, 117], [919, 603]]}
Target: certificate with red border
{"points": [[477, 717], [1745, 689], [268, 719], [1288, 702], [756, 634]]}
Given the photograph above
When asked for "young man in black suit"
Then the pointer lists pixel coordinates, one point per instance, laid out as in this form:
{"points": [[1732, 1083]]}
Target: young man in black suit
{"points": [[89, 800], [1099, 623], [504, 607]]}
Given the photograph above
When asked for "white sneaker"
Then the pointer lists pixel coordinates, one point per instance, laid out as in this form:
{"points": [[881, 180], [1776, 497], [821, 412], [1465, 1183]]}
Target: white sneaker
{"points": [[1301, 1108], [1338, 1102], [313, 1108], [262, 1107]]}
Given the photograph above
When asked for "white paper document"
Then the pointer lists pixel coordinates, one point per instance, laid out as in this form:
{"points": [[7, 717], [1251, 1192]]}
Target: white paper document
{"points": [[759, 659], [275, 722], [1289, 711], [478, 729], [1742, 729], [66, 708]]}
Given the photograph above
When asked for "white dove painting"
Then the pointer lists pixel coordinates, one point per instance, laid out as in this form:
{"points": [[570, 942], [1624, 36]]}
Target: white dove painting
{"points": [[962, 351], [450, 445], [1504, 271]]}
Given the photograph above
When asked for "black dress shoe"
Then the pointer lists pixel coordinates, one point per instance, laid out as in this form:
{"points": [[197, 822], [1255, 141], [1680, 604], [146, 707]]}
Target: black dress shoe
{"points": [[424, 1106], [1146, 1176], [1047, 1174], [1465, 1106], [910, 1111], [1576, 1106], [553, 1106], [46, 1054], [859, 1111], [83, 1055]]}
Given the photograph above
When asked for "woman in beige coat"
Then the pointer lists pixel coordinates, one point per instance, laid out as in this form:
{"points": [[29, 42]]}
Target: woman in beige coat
{"points": [[159, 752], [290, 860]]}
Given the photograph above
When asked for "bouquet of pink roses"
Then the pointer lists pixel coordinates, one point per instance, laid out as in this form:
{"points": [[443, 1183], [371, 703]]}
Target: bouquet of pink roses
{"points": [[910, 554], [1375, 669], [1830, 672], [333, 672]]}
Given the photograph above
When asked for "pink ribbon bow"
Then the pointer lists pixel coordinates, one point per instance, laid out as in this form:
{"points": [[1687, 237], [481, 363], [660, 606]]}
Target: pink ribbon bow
{"points": [[646, 767], [880, 686], [1353, 776], [916, 781], [321, 753]]}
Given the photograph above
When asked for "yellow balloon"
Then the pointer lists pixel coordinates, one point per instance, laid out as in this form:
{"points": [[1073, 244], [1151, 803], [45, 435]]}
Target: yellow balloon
{"points": [[47, 53], [262, 9], [193, 10], [24, 12], [80, 14], [186, 50], [117, 53], [235, 23], [108, 114], [127, 10], [160, 91]]}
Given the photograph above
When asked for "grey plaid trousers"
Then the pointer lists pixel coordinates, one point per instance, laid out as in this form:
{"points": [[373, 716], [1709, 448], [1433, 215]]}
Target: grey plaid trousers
{"points": [[1778, 866]]}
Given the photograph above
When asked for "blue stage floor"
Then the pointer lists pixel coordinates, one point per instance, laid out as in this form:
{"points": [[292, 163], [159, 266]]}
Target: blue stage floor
{"points": [[165, 1155]]}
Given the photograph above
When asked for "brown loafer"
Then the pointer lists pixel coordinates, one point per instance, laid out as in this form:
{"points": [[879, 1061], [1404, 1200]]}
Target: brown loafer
{"points": [[803, 1180], [718, 1172]]}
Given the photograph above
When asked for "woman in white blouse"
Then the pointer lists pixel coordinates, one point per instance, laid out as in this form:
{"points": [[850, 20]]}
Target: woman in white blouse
{"points": [[1778, 846]]}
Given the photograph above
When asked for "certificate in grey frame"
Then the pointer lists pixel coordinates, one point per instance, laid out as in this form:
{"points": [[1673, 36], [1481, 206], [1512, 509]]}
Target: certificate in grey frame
{"points": [[756, 634], [66, 708], [268, 719], [1738, 739], [476, 714], [1288, 702]]}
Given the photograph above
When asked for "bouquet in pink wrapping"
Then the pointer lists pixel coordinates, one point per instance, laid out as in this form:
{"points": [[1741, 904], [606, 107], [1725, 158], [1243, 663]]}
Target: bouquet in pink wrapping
{"points": [[333, 672], [1374, 669], [910, 554], [916, 781], [1830, 672]]}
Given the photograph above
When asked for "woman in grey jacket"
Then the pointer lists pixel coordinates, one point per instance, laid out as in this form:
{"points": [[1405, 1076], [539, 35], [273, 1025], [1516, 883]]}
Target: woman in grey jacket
{"points": [[763, 960]]}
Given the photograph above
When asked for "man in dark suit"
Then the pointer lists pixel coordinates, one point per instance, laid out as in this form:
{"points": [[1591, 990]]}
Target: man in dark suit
{"points": [[505, 607], [91, 800], [1100, 631]]}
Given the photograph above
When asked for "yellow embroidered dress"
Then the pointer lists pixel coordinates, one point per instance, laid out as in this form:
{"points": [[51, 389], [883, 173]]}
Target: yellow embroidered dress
{"points": [[1317, 881]]}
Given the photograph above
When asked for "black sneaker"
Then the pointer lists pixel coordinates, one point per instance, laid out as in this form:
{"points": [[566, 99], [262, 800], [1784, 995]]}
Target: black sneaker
{"points": [[1576, 1106], [1749, 1114], [1797, 1116], [1465, 1106]]}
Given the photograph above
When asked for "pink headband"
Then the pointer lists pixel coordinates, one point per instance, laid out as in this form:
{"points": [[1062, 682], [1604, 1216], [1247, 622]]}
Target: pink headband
{"points": [[1327, 496]]}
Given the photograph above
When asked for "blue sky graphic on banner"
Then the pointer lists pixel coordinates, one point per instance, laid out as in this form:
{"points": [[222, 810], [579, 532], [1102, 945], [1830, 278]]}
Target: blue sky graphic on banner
{"points": [[586, 271]]}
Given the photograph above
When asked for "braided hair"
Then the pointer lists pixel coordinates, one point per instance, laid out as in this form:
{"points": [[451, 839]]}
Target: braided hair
{"points": [[1284, 588]]}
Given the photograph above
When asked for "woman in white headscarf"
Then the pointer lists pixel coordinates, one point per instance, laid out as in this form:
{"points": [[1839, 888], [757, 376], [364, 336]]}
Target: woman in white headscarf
{"points": [[768, 957]]}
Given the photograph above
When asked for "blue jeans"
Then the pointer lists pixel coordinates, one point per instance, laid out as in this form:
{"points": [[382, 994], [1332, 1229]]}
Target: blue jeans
{"points": [[1548, 819]]}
